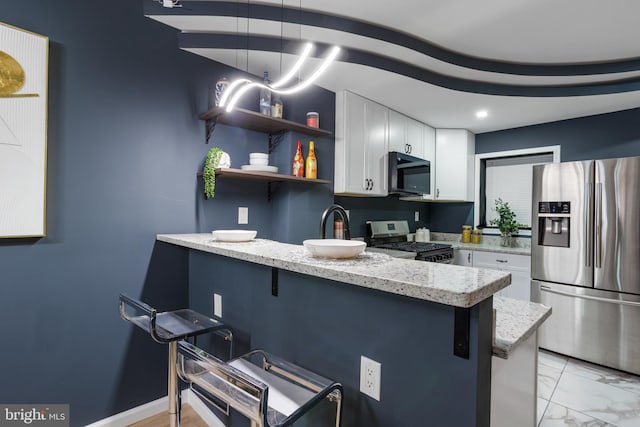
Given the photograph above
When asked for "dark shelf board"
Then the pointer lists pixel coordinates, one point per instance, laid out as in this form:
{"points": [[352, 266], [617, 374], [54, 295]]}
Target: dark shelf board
{"points": [[259, 122], [264, 176]]}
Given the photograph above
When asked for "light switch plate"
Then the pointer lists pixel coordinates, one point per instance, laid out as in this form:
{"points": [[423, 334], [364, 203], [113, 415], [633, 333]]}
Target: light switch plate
{"points": [[217, 305], [417, 216], [243, 215]]}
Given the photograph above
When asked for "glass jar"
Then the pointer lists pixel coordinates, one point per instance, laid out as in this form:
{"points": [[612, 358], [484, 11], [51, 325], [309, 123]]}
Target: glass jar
{"points": [[466, 234], [476, 236], [313, 119]]}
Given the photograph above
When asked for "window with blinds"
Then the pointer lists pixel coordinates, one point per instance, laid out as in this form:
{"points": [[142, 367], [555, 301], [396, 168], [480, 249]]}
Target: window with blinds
{"points": [[508, 175]]}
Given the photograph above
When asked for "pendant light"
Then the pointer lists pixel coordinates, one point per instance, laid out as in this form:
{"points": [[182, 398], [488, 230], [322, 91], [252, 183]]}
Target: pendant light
{"points": [[236, 89]]}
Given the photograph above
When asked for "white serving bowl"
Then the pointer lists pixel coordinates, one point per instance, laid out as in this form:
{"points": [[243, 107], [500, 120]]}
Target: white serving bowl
{"points": [[334, 248], [258, 159], [259, 162], [234, 235]]}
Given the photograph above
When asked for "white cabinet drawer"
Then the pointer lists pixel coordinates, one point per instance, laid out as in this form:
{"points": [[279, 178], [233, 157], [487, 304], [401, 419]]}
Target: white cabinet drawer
{"points": [[501, 261]]}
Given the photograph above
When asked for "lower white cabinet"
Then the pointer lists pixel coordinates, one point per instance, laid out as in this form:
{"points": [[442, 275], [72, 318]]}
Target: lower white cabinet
{"points": [[518, 265], [463, 257]]}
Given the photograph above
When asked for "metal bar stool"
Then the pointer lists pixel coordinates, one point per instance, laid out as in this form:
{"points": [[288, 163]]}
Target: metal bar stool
{"points": [[271, 392], [171, 327]]}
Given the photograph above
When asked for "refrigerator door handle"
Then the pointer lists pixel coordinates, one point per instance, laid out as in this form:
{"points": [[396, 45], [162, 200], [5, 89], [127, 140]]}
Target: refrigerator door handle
{"points": [[588, 297], [598, 227], [588, 225]]}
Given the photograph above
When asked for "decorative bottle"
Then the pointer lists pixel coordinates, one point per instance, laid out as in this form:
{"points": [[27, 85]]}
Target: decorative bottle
{"points": [[311, 169], [298, 162], [265, 97]]}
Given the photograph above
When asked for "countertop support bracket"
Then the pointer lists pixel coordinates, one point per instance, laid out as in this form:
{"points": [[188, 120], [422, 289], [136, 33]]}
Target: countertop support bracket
{"points": [[461, 331], [274, 281]]}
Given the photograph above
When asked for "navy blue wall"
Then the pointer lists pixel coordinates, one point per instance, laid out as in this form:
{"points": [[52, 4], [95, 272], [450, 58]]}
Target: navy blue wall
{"points": [[124, 147], [594, 137], [362, 209], [326, 326]]}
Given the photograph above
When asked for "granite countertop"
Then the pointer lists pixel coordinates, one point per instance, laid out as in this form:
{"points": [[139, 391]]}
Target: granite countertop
{"points": [[441, 283], [516, 320], [489, 244]]}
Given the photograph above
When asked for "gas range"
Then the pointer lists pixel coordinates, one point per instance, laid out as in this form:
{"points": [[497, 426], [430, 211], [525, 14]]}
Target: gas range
{"points": [[393, 235]]}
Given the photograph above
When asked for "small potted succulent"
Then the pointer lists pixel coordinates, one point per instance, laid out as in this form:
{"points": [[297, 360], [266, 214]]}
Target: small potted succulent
{"points": [[506, 222]]}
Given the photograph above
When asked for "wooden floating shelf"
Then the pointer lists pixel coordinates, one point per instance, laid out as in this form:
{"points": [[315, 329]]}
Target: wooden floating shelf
{"points": [[259, 122], [264, 176]]}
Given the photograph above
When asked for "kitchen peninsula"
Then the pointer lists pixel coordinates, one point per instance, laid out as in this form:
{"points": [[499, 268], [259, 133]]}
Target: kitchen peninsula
{"points": [[429, 325]]}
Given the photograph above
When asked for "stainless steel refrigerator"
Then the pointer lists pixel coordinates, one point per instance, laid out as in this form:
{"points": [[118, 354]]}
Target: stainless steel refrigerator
{"points": [[585, 259]]}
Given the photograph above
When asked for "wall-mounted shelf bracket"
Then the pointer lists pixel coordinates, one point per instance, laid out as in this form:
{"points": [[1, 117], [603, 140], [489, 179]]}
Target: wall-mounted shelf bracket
{"points": [[274, 140], [209, 127]]}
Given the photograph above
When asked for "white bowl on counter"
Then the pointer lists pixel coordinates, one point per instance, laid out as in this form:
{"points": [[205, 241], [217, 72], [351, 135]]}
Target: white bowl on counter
{"points": [[334, 248], [234, 235]]}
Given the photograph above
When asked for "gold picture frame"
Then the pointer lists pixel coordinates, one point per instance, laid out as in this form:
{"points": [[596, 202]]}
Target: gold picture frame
{"points": [[24, 63]]}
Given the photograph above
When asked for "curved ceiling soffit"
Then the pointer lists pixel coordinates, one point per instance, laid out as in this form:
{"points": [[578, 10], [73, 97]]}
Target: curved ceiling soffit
{"points": [[366, 58], [366, 29]]}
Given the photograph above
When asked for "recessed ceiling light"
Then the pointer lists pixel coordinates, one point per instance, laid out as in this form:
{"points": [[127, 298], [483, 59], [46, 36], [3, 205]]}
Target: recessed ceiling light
{"points": [[482, 114]]}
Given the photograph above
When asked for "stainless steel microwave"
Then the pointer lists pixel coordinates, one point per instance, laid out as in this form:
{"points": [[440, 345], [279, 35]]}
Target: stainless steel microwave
{"points": [[408, 174]]}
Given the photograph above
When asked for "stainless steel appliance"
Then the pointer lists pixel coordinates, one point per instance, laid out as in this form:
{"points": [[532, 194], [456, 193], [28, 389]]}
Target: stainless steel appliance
{"points": [[408, 175], [585, 259], [391, 237]]}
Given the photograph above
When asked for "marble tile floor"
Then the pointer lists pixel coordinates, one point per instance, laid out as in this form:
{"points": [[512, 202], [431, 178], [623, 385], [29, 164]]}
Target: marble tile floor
{"points": [[573, 393]]}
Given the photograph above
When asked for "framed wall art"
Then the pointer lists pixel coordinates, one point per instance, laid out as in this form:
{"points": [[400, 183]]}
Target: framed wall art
{"points": [[23, 132]]}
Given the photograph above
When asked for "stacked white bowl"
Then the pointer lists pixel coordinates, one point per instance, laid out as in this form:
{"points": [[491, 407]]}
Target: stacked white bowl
{"points": [[258, 159]]}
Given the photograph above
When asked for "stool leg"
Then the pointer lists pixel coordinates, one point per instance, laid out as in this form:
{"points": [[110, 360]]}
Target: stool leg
{"points": [[172, 386]]}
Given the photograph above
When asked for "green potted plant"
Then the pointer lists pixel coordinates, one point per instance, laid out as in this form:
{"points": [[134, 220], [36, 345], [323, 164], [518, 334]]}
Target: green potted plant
{"points": [[209, 173], [506, 222]]}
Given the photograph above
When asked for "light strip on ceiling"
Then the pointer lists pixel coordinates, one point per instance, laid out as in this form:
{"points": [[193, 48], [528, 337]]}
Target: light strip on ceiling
{"points": [[335, 50]]}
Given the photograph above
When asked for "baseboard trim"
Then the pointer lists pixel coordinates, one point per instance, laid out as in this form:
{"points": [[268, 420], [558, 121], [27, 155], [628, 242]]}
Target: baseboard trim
{"points": [[139, 413]]}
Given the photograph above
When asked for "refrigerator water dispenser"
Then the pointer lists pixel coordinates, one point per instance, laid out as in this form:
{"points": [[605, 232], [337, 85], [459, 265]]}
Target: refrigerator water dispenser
{"points": [[554, 223]]}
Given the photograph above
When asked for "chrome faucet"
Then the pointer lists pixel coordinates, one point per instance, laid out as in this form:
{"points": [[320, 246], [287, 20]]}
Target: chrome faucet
{"points": [[325, 216]]}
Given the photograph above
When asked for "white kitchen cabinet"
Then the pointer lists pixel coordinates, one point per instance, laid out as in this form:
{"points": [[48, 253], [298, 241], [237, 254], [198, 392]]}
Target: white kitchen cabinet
{"points": [[415, 138], [406, 135], [463, 257], [518, 265], [454, 165], [361, 146]]}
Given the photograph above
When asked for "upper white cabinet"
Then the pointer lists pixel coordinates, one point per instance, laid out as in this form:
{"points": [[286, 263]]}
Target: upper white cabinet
{"points": [[415, 138], [361, 146], [454, 169], [406, 135]]}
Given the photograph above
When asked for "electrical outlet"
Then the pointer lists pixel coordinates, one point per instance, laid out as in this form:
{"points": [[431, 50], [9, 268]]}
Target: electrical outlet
{"points": [[417, 215], [243, 215], [370, 372], [217, 305]]}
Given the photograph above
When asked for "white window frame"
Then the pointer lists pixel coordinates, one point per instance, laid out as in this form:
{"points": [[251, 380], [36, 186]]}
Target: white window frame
{"points": [[554, 149]]}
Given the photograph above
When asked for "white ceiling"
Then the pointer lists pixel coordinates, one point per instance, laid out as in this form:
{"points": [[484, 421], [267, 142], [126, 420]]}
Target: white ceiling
{"points": [[540, 32]]}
